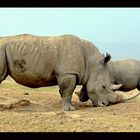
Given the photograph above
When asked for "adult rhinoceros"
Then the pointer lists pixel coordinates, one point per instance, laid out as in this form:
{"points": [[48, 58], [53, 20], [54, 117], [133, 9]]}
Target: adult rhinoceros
{"points": [[125, 73], [65, 61]]}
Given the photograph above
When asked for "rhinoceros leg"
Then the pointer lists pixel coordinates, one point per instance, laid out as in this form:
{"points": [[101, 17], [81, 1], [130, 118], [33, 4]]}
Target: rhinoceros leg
{"points": [[67, 85], [138, 86], [82, 94]]}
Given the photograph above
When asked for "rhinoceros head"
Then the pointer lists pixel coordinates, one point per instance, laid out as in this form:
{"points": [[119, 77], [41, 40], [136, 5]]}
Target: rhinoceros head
{"points": [[99, 88]]}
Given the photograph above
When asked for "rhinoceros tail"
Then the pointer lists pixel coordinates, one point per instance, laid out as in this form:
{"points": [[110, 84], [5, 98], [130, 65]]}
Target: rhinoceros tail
{"points": [[3, 64]]}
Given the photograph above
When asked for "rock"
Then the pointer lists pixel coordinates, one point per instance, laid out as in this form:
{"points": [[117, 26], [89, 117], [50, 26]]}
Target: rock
{"points": [[26, 93]]}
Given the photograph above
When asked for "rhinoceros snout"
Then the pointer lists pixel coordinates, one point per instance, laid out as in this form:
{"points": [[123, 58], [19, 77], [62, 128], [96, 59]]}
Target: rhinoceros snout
{"points": [[100, 103]]}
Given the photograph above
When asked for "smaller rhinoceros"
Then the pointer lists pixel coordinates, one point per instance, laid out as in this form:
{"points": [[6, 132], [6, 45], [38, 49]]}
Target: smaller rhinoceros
{"points": [[125, 73]]}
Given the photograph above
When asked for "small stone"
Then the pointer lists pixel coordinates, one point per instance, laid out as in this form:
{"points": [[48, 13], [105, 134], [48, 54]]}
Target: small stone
{"points": [[26, 93], [130, 125], [61, 122], [114, 113]]}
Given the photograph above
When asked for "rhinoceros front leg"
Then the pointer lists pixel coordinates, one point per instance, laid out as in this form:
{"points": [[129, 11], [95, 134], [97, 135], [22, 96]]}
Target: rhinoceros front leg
{"points": [[67, 85]]}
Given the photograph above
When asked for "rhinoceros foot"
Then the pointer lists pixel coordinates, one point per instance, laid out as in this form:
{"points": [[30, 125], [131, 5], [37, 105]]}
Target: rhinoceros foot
{"points": [[68, 107]]}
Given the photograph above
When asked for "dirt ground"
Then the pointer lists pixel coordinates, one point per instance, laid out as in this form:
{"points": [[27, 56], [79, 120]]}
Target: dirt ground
{"points": [[33, 110]]}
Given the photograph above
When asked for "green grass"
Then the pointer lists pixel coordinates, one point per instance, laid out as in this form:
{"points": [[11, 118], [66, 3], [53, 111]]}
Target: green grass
{"points": [[10, 84]]}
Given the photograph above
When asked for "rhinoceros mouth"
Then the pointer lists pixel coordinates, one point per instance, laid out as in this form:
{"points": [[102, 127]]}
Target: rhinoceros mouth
{"points": [[103, 105], [100, 104]]}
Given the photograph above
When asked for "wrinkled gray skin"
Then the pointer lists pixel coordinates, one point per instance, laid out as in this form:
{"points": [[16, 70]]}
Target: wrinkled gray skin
{"points": [[124, 72], [66, 61]]}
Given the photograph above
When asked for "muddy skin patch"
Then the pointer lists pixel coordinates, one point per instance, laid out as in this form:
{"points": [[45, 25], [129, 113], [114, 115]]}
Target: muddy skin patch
{"points": [[20, 65], [65, 84]]}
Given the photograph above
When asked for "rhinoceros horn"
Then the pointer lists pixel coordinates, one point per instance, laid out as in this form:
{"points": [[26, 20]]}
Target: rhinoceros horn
{"points": [[125, 97], [115, 87]]}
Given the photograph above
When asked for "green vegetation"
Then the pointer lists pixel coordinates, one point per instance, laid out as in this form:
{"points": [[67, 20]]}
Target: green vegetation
{"points": [[10, 84]]}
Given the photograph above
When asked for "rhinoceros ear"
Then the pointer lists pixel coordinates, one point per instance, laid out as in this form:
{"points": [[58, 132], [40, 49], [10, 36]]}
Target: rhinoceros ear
{"points": [[115, 87], [106, 58]]}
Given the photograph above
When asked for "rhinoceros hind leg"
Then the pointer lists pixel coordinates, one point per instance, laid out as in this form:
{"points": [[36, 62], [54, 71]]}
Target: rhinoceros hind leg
{"points": [[67, 85]]}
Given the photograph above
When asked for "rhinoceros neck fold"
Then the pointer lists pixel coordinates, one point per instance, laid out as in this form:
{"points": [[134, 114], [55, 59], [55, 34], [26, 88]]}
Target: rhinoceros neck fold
{"points": [[91, 54]]}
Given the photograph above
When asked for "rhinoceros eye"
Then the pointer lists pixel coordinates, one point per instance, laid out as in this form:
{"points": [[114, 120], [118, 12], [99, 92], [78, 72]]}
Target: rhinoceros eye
{"points": [[103, 86]]}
